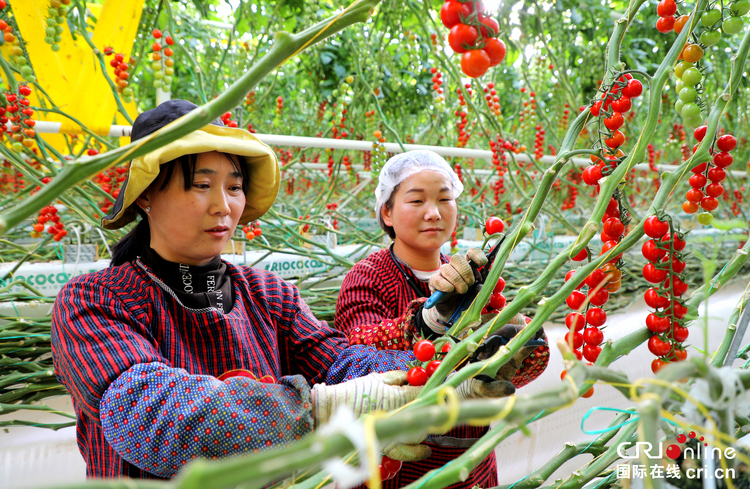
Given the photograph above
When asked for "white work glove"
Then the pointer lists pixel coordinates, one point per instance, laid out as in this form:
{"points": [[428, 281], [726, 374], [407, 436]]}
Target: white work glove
{"points": [[389, 391], [454, 278]]}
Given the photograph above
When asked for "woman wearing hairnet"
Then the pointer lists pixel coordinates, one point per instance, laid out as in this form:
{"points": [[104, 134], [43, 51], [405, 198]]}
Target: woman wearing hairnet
{"points": [[382, 297]]}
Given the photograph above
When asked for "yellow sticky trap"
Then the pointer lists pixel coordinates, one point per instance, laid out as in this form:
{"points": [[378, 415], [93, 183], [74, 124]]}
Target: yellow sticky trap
{"points": [[72, 76]]}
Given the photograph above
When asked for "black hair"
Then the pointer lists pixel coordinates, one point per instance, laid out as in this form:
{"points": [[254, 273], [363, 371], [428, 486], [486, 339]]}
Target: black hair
{"points": [[388, 205], [138, 240]]}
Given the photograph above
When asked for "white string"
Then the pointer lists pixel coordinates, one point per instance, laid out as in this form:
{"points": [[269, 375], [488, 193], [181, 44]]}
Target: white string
{"points": [[343, 422], [104, 241]]}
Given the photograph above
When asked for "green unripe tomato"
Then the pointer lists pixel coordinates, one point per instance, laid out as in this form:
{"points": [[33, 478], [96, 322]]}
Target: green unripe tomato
{"points": [[169, 71], [350, 79], [61, 11], [710, 17], [688, 94], [127, 92], [157, 83], [740, 8], [51, 22], [679, 85], [681, 67], [50, 31], [167, 81], [127, 100], [710, 38], [156, 66], [26, 71], [692, 76], [49, 40], [58, 39], [60, 20], [58, 29], [705, 218], [52, 12], [678, 106], [732, 25], [690, 111], [17, 147], [55, 47], [693, 122], [20, 60], [158, 75]]}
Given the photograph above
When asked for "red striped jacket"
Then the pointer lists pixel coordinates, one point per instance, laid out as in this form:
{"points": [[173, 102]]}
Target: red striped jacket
{"points": [[373, 307], [141, 368]]}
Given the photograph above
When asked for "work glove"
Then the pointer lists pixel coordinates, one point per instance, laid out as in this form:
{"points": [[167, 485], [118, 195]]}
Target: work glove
{"points": [[388, 391], [454, 278], [501, 337]]}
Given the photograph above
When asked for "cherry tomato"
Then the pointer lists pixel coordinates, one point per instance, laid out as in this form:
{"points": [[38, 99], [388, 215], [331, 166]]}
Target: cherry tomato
{"points": [[462, 35], [652, 274], [690, 207], [500, 286], [596, 278], [424, 350], [576, 320], [678, 288], [657, 365], [614, 227], [655, 228], [592, 175], [680, 333], [575, 299], [416, 376], [653, 299], [577, 339], [578, 354], [495, 48], [497, 301], [616, 139], [665, 24], [431, 367], [656, 324], [453, 12], [697, 181], [709, 203], [622, 105], [563, 374], [677, 265], [393, 466], [726, 143], [717, 174], [593, 335], [446, 348], [658, 347], [494, 225], [723, 160], [679, 310], [680, 354], [612, 272], [489, 27], [582, 255], [588, 393], [591, 352], [613, 286], [651, 252], [599, 298], [666, 8], [595, 317], [475, 63], [700, 132], [605, 251], [700, 168], [633, 89], [615, 121]]}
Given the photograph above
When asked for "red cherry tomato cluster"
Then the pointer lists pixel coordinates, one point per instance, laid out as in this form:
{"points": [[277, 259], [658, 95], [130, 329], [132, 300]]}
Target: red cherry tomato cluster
{"points": [[704, 194], [252, 230], [49, 214], [493, 99], [331, 207], [163, 71], [437, 81], [20, 115], [424, 351], [473, 35], [497, 299], [464, 133], [110, 181], [610, 109], [121, 74], [664, 268], [666, 11], [226, 118]]}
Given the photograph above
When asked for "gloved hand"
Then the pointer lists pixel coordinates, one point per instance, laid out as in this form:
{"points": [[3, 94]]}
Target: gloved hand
{"points": [[508, 331], [388, 391], [454, 278]]}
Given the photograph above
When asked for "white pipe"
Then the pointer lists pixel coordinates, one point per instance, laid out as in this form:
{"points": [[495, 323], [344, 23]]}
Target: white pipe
{"points": [[308, 142]]}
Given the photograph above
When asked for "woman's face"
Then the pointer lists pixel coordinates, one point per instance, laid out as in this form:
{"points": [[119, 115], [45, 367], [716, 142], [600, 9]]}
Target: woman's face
{"points": [[192, 226], [424, 211]]}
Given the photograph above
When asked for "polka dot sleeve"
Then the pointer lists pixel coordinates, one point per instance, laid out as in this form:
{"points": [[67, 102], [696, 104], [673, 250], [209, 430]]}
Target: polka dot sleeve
{"points": [[159, 418], [359, 360]]}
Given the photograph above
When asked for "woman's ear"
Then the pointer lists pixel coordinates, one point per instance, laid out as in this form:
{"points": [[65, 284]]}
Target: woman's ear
{"points": [[387, 215], [142, 201]]}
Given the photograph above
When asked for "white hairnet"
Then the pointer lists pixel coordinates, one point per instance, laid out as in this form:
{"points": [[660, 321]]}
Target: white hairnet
{"points": [[402, 166]]}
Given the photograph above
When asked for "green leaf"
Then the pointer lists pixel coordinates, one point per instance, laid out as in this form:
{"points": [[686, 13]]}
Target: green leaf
{"points": [[726, 225], [325, 57]]}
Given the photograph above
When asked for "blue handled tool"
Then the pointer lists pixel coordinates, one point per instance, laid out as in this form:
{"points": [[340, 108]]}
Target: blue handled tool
{"points": [[438, 296]]}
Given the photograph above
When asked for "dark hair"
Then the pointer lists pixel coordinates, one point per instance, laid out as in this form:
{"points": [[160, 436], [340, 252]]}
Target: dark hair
{"points": [[388, 205], [138, 240]]}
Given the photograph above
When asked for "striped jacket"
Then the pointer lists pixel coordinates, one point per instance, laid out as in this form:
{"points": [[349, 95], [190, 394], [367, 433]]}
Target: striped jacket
{"points": [[374, 306], [143, 369]]}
